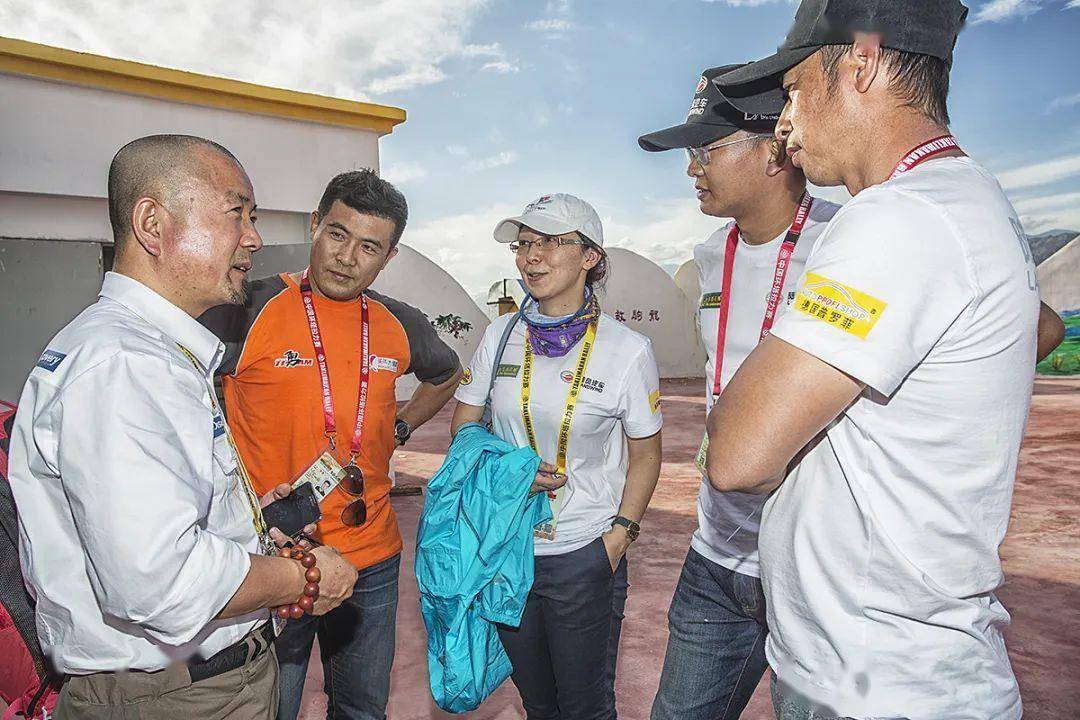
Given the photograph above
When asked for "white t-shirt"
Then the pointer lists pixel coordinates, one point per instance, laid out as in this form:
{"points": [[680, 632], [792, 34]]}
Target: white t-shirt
{"points": [[620, 398], [720, 514], [880, 550]]}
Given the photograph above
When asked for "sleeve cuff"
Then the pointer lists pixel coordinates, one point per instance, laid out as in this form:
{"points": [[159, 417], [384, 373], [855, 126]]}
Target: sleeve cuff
{"points": [[471, 395], [637, 431], [217, 568], [841, 356]]}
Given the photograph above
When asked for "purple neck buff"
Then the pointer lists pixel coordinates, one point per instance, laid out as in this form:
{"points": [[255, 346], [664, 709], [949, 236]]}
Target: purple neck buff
{"points": [[556, 339]]}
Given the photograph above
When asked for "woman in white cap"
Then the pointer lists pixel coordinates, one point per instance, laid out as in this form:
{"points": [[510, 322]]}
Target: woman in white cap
{"points": [[582, 389]]}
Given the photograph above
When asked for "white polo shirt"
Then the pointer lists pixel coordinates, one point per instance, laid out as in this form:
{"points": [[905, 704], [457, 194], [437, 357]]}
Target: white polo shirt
{"points": [[880, 550], [728, 522], [620, 398], [135, 527]]}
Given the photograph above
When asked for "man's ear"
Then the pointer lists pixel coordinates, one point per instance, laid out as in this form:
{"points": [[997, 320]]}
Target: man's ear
{"points": [[778, 158], [389, 256], [866, 54], [147, 224], [314, 224]]}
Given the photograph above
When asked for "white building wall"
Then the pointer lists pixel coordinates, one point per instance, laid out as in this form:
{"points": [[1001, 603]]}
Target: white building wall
{"points": [[647, 299], [1059, 278], [58, 140]]}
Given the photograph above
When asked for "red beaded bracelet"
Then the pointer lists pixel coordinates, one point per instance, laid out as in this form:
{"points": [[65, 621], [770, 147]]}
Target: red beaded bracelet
{"points": [[311, 590]]}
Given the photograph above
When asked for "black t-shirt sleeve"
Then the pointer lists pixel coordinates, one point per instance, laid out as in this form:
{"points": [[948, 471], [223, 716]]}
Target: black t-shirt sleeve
{"points": [[432, 360], [232, 323]]}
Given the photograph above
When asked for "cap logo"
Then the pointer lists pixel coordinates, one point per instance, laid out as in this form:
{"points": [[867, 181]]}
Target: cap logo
{"points": [[751, 117], [539, 202], [698, 106], [702, 84]]}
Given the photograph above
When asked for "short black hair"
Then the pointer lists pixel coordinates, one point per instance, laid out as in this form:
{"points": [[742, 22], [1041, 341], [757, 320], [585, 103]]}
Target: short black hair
{"points": [[151, 166], [920, 81], [367, 193]]}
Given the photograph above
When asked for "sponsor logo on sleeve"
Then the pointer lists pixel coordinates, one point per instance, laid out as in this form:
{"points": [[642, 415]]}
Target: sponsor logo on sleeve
{"points": [[291, 359], [466, 377], [507, 371], [839, 305], [384, 363], [710, 301], [567, 376], [50, 360], [654, 400]]}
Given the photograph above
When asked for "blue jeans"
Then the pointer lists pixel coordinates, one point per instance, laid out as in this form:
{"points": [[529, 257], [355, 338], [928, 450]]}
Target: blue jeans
{"points": [[716, 644], [565, 650], [356, 642]]}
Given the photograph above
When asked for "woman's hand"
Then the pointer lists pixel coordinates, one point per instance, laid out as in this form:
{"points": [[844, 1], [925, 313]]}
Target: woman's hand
{"points": [[548, 479], [616, 542]]}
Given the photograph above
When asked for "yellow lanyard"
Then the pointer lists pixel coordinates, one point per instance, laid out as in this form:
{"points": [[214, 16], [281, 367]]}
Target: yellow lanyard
{"points": [[245, 480], [571, 396]]}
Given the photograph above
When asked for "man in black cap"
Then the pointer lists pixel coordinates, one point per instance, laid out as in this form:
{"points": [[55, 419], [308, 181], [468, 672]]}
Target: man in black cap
{"points": [[902, 378], [748, 271]]}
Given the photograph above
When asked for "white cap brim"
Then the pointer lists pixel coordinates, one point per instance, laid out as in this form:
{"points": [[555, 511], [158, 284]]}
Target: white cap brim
{"points": [[507, 230]]}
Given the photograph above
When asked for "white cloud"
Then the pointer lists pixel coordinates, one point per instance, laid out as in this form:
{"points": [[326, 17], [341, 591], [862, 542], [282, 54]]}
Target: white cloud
{"points": [[1065, 101], [505, 157], [555, 25], [1042, 173], [668, 232], [403, 172], [749, 3], [1004, 10], [502, 67], [1073, 4], [457, 150], [462, 245], [1050, 212], [333, 47]]}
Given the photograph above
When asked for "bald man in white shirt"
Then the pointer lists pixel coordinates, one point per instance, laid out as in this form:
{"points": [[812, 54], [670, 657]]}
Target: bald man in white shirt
{"points": [[141, 539]]}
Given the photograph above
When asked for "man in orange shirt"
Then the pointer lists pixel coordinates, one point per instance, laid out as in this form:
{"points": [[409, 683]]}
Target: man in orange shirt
{"points": [[309, 375]]}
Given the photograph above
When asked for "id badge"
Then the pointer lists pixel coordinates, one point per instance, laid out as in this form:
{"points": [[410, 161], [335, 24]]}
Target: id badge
{"points": [[702, 454], [546, 530], [324, 475]]}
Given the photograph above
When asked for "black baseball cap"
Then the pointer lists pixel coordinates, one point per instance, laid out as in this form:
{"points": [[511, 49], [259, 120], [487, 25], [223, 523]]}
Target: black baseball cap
{"points": [[927, 27], [712, 117]]}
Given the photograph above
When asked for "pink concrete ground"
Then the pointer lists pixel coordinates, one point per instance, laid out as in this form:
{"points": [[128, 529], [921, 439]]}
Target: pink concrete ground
{"points": [[1041, 555]]}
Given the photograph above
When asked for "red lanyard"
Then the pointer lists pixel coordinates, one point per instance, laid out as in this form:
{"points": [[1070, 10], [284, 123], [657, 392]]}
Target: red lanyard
{"points": [[324, 373], [783, 260], [924, 152]]}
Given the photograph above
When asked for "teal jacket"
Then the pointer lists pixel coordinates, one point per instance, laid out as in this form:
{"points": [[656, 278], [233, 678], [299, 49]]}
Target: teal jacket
{"points": [[474, 562]]}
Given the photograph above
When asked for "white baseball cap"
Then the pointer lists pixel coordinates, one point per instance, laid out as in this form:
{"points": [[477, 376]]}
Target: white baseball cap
{"points": [[556, 214]]}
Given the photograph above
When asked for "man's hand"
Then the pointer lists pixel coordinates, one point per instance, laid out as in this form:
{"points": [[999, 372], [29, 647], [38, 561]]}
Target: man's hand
{"points": [[337, 582], [616, 542], [280, 539], [548, 479]]}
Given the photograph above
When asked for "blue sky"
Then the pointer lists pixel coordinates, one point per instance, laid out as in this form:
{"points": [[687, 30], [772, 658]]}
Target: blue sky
{"points": [[510, 100]]}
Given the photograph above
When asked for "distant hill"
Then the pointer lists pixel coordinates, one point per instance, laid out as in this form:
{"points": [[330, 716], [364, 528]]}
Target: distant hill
{"points": [[1046, 244]]}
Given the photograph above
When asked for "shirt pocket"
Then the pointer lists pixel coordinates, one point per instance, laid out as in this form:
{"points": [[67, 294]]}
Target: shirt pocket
{"points": [[225, 466]]}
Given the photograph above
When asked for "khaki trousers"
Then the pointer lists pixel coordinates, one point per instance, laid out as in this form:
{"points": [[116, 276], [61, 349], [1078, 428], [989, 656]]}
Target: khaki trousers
{"points": [[249, 692]]}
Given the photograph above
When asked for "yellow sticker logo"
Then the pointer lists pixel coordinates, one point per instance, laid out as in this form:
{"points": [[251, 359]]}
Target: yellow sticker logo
{"points": [[839, 305], [654, 400], [466, 378]]}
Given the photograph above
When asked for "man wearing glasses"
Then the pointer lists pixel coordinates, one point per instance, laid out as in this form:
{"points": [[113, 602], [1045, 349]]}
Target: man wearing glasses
{"points": [[312, 361], [748, 271]]}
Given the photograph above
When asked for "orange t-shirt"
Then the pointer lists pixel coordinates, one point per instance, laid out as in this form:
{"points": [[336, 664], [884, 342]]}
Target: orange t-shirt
{"points": [[273, 396]]}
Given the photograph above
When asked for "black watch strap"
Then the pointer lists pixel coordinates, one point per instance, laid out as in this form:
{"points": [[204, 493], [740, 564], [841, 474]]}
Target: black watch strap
{"points": [[633, 529]]}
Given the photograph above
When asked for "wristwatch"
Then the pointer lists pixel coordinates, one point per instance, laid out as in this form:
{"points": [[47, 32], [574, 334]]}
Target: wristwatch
{"points": [[402, 431], [633, 529]]}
